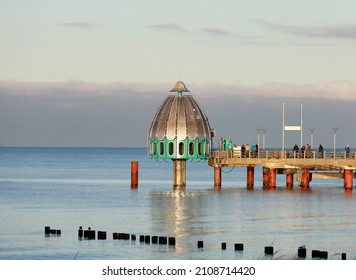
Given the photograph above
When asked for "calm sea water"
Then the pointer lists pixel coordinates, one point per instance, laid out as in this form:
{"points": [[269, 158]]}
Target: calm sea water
{"points": [[70, 187]]}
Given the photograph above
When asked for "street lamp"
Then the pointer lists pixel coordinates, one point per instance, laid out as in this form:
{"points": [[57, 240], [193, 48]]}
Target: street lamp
{"points": [[258, 137], [263, 137], [312, 137], [334, 129]]}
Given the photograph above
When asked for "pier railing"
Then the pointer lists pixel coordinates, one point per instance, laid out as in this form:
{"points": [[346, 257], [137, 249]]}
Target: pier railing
{"points": [[279, 158]]}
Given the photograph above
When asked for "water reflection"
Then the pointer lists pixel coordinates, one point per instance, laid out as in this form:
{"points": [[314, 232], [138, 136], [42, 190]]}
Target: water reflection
{"points": [[286, 218]]}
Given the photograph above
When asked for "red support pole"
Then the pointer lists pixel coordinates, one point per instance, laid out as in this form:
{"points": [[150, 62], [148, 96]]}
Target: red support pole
{"points": [[304, 182], [272, 178], [289, 180], [250, 176], [217, 178], [348, 179], [134, 174], [265, 171]]}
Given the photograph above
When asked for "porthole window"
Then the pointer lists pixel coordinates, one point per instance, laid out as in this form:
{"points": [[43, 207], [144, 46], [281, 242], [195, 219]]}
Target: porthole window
{"points": [[181, 148], [171, 148], [161, 148], [207, 148], [200, 148], [191, 148], [154, 148]]}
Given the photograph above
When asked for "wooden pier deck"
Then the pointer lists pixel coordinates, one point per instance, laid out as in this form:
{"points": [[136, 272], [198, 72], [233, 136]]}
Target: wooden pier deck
{"points": [[326, 164]]}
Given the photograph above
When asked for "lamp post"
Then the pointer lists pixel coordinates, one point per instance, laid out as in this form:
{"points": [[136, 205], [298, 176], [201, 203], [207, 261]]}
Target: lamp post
{"points": [[334, 129], [312, 138], [263, 137], [258, 137]]}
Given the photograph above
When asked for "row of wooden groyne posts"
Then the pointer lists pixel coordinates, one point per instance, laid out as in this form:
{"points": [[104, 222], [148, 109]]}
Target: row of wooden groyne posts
{"points": [[91, 234], [307, 165]]}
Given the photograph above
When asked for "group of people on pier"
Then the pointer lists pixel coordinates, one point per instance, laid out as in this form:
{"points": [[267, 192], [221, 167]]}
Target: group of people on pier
{"points": [[306, 151], [245, 151]]}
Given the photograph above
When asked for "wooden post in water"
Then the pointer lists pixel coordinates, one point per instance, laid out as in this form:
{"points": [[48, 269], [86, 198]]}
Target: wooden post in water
{"points": [[272, 178], [217, 178], [348, 179], [289, 180], [250, 177], [134, 174], [304, 182]]}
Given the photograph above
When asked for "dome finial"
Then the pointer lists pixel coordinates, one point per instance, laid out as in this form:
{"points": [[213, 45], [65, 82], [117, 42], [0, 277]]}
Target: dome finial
{"points": [[179, 87]]}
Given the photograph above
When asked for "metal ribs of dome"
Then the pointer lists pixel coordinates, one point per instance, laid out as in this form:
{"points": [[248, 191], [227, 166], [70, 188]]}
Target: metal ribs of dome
{"points": [[181, 118]]}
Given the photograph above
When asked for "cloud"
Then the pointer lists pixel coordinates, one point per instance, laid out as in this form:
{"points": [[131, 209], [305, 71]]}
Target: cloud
{"points": [[216, 31], [84, 25], [337, 31], [168, 26], [77, 113], [333, 90]]}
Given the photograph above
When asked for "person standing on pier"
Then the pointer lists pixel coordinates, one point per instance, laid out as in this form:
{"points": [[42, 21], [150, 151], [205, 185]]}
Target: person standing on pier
{"points": [[308, 151], [295, 150], [347, 150], [321, 151], [302, 150]]}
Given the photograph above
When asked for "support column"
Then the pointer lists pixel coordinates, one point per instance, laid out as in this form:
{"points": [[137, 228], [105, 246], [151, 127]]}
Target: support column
{"points": [[250, 177], [265, 174], [179, 173], [134, 174], [304, 182], [272, 178], [217, 178], [348, 179], [289, 180]]}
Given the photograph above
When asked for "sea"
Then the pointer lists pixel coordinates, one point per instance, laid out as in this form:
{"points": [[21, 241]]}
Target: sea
{"points": [[68, 188]]}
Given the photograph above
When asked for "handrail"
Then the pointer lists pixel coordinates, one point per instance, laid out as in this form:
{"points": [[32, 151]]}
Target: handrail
{"points": [[279, 154]]}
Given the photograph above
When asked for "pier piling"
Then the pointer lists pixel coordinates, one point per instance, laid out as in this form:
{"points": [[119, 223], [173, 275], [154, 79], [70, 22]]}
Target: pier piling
{"points": [[179, 173], [250, 176], [289, 180], [304, 182], [217, 178], [348, 179], [272, 178], [134, 174]]}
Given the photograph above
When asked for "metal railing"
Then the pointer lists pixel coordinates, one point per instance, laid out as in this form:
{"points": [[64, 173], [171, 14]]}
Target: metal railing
{"points": [[285, 154]]}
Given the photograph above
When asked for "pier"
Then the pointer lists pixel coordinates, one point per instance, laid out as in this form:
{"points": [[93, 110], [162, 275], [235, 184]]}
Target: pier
{"points": [[305, 165]]}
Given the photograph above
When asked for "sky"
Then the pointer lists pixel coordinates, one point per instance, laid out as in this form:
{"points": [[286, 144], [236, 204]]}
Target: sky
{"points": [[94, 72]]}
